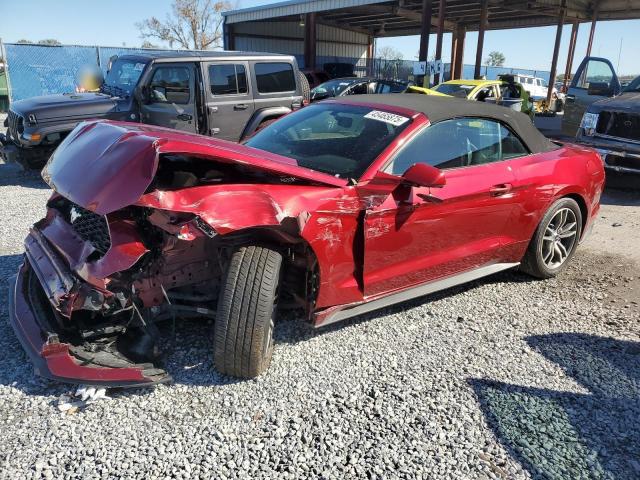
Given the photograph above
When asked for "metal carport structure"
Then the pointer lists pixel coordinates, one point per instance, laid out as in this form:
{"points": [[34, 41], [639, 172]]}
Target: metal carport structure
{"points": [[358, 22]]}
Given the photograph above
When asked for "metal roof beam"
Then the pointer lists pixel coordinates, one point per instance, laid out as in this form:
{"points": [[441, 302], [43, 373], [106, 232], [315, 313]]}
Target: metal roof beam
{"points": [[344, 26], [402, 12]]}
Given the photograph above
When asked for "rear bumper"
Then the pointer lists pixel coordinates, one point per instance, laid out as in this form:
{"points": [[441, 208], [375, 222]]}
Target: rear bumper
{"points": [[35, 324]]}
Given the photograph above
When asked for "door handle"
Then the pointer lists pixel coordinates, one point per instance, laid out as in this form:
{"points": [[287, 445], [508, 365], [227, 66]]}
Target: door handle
{"points": [[498, 190], [240, 106], [185, 117]]}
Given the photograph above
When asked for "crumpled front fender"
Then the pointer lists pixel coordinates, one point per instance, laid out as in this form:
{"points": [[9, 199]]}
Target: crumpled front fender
{"points": [[225, 210]]}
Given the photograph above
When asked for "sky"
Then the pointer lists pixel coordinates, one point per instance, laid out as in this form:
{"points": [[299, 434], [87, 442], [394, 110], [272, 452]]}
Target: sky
{"points": [[112, 23]]}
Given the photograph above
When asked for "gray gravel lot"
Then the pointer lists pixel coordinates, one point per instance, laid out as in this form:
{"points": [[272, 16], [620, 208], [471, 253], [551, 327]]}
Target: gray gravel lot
{"points": [[503, 378]]}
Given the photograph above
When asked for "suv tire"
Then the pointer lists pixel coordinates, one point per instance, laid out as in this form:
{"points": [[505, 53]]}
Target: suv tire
{"points": [[243, 332], [304, 88]]}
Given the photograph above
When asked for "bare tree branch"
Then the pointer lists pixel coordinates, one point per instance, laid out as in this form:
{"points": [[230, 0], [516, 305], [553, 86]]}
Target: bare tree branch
{"points": [[193, 24]]}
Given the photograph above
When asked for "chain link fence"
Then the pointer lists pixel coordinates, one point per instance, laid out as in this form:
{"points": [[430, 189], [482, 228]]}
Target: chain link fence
{"points": [[33, 70]]}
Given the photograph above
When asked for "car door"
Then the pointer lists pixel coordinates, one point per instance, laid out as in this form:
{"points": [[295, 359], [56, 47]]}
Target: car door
{"points": [[229, 99], [171, 97], [413, 238], [592, 70]]}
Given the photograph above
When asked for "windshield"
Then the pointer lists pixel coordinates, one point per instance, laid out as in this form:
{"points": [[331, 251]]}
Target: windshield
{"points": [[634, 86], [456, 90], [341, 140], [332, 88], [123, 77]]}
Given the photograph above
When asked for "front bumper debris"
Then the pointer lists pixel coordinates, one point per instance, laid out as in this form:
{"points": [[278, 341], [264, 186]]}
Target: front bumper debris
{"points": [[43, 281], [28, 158]]}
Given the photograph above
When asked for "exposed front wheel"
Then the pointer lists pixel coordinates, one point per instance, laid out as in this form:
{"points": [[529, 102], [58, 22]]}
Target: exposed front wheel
{"points": [[555, 240], [243, 332]]}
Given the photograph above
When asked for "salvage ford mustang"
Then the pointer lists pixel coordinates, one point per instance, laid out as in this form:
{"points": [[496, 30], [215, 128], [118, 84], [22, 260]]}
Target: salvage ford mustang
{"points": [[340, 208]]}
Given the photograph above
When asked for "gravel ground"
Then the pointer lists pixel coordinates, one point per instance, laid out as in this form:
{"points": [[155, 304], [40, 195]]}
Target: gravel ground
{"points": [[503, 378]]}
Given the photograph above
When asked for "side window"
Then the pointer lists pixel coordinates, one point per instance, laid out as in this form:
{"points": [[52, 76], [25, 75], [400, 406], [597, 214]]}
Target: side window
{"points": [[227, 79], [275, 77], [170, 85], [459, 143], [596, 71], [359, 89], [483, 94], [383, 87]]}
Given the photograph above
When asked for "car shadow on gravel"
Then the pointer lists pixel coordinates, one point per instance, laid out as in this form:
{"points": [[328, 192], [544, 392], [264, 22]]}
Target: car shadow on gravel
{"points": [[557, 434], [12, 174]]}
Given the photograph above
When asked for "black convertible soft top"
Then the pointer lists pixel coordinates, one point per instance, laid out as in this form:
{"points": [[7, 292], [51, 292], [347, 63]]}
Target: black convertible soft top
{"points": [[438, 108]]}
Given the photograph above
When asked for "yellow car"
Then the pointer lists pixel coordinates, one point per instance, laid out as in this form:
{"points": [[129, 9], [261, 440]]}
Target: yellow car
{"points": [[504, 92]]}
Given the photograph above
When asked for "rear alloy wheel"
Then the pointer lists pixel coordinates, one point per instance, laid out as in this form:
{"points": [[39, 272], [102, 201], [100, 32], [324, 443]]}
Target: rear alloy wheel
{"points": [[555, 240], [243, 332]]}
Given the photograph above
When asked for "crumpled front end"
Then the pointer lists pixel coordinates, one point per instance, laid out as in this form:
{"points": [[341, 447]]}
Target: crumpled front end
{"points": [[139, 233], [87, 298], [71, 305]]}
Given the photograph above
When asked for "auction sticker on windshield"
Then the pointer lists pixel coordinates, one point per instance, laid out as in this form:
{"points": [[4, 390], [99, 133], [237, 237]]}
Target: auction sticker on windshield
{"points": [[392, 118]]}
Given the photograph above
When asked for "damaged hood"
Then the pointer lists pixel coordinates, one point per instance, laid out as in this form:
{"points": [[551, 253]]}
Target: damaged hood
{"points": [[104, 166], [66, 105]]}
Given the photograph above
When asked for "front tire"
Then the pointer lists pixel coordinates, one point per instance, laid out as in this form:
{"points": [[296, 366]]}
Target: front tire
{"points": [[243, 332], [555, 240]]}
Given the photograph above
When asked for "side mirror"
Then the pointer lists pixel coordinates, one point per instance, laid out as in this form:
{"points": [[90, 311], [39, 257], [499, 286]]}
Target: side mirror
{"points": [[319, 95], [600, 89], [423, 175]]}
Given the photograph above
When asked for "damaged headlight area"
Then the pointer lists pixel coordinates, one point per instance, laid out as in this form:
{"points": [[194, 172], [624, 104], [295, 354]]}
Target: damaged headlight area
{"points": [[99, 284]]}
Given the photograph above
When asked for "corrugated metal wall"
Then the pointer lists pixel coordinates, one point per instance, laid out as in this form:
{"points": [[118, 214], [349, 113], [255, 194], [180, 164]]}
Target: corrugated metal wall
{"points": [[333, 44]]}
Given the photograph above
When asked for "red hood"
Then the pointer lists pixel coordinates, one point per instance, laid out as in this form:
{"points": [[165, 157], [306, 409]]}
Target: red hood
{"points": [[104, 166]]}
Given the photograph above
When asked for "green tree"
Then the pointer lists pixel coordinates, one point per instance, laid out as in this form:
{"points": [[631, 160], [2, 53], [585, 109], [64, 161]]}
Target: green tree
{"points": [[495, 59], [193, 24], [24, 41], [49, 41]]}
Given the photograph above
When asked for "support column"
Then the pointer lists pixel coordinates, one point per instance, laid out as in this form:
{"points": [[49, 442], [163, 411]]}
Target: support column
{"points": [[457, 52], [484, 15], [229, 40], [594, 20], [454, 50], [370, 56], [556, 50], [310, 41], [570, 55], [425, 31], [441, 14]]}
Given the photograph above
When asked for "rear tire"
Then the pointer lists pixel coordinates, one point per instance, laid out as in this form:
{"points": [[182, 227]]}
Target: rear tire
{"points": [[555, 240], [243, 332]]}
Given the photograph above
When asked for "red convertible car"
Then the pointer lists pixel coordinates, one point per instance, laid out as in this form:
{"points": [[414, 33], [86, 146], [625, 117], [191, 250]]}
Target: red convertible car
{"points": [[337, 209]]}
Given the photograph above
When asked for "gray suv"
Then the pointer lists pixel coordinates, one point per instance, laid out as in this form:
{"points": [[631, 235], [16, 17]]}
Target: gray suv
{"points": [[228, 95]]}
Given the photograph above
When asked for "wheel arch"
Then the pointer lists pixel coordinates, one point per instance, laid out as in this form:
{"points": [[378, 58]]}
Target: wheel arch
{"points": [[260, 116], [301, 272], [582, 203]]}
